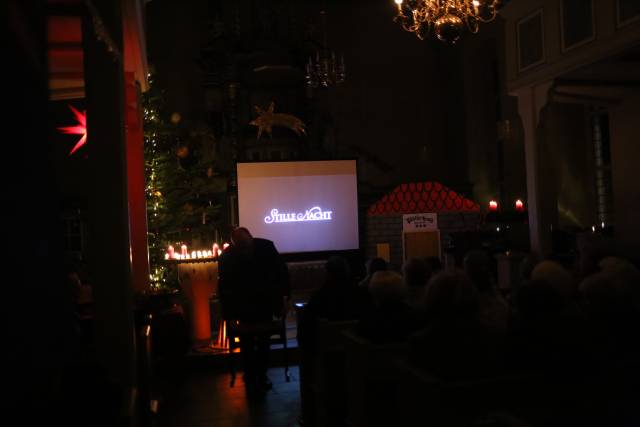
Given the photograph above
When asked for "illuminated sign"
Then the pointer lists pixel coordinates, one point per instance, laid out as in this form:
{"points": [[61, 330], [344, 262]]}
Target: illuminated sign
{"points": [[419, 222], [313, 214]]}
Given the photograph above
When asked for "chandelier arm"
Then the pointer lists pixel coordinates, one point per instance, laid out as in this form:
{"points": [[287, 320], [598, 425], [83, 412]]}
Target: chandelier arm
{"points": [[472, 24], [493, 15]]}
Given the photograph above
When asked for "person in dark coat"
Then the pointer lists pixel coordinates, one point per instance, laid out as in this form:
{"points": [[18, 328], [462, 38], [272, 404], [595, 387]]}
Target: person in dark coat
{"points": [[254, 289]]}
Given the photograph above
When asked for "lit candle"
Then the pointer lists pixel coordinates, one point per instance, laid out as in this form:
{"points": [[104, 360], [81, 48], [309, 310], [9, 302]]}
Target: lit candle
{"points": [[166, 256], [215, 249], [183, 249], [493, 205], [225, 246], [199, 254], [209, 254], [170, 251], [519, 205], [193, 254]]}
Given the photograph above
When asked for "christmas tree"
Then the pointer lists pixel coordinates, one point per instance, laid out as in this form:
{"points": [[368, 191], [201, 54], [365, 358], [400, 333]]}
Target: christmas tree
{"points": [[184, 189]]}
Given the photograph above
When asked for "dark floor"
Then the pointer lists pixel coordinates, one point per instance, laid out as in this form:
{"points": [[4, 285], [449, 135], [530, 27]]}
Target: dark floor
{"points": [[201, 396]]}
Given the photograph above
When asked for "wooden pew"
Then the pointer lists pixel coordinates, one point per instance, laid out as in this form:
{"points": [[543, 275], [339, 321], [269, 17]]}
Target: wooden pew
{"points": [[322, 375], [372, 381]]}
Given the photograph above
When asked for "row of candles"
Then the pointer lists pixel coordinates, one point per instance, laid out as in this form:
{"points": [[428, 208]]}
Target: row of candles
{"points": [[184, 253]]}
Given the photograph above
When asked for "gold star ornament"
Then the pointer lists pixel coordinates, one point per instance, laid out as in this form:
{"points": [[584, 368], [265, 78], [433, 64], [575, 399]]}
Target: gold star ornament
{"points": [[267, 119]]}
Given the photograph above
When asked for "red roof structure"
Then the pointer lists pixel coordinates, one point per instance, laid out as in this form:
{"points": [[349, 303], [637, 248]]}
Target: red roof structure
{"points": [[418, 197]]}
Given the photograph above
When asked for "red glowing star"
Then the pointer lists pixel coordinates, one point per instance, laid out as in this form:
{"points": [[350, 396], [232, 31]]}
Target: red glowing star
{"points": [[79, 129]]}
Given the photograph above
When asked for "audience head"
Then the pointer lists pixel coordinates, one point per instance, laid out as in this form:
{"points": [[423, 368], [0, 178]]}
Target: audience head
{"points": [[386, 287], [537, 299], [451, 294], [376, 264], [338, 271], [434, 264], [556, 276], [477, 265], [624, 277], [242, 238], [416, 272], [527, 265], [598, 293]]}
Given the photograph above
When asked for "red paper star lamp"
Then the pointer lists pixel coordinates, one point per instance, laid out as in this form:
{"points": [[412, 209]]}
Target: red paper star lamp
{"points": [[79, 129]]}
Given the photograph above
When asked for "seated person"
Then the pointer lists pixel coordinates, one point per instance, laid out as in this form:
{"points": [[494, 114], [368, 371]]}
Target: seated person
{"points": [[493, 309], [416, 274], [390, 319], [374, 265], [454, 344], [547, 333], [434, 263], [338, 299], [611, 300]]}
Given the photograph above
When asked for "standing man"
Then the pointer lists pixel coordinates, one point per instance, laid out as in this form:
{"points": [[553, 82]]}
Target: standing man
{"points": [[253, 284]]}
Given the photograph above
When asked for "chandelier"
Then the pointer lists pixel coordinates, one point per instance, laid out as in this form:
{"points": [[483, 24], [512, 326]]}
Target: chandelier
{"points": [[323, 70], [448, 18]]}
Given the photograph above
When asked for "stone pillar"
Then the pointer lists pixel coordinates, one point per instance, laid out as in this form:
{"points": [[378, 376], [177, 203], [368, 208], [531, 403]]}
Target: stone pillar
{"points": [[136, 185], [531, 100], [109, 243]]}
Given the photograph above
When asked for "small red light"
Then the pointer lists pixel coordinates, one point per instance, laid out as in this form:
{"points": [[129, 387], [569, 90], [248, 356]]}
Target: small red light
{"points": [[519, 205], [493, 205]]}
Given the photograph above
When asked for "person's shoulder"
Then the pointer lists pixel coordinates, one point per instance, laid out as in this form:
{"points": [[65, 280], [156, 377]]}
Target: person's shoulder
{"points": [[262, 241], [264, 244], [227, 254]]}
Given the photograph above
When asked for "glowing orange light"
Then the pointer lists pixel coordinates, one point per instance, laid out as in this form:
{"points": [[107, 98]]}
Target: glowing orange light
{"points": [[222, 341], [493, 205], [79, 129]]}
